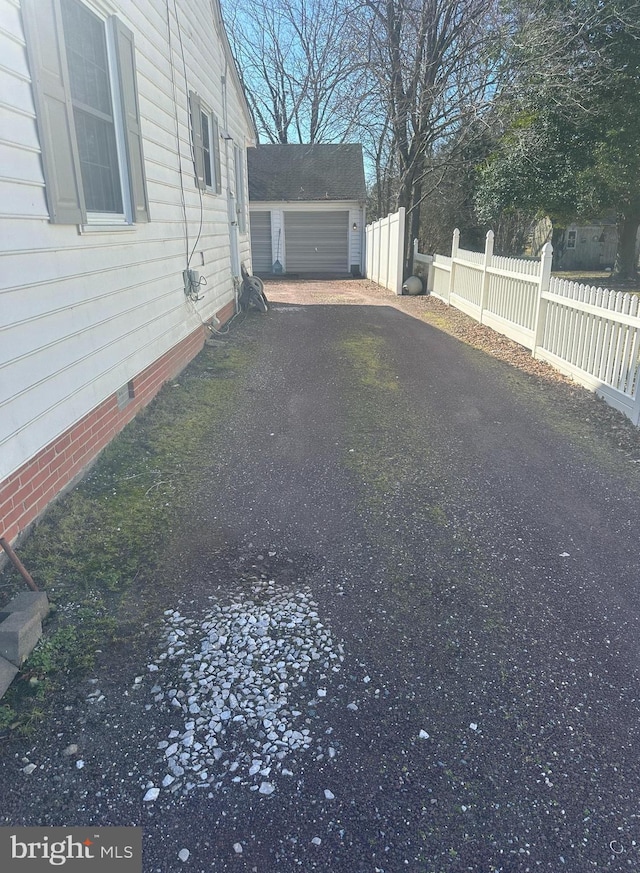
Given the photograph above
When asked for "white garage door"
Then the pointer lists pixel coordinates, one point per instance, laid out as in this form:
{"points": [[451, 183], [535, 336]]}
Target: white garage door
{"points": [[317, 242], [261, 241]]}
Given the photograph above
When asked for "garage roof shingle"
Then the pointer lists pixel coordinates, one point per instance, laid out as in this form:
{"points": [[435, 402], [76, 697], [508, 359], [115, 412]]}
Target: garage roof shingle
{"points": [[323, 171]]}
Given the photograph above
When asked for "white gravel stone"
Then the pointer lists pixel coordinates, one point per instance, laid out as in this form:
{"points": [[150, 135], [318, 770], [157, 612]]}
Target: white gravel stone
{"points": [[241, 667], [329, 795], [316, 841], [237, 848], [183, 855], [423, 735], [28, 770], [152, 794]]}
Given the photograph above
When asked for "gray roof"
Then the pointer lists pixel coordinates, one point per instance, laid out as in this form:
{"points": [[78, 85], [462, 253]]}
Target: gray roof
{"points": [[323, 171]]}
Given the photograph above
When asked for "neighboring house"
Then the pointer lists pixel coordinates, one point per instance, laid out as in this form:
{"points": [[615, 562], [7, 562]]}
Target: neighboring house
{"points": [[307, 208], [124, 135], [588, 247]]}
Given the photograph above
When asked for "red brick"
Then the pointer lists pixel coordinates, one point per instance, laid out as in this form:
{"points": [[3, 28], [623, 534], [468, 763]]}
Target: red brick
{"points": [[35, 475], [10, 520], [63, 442]]}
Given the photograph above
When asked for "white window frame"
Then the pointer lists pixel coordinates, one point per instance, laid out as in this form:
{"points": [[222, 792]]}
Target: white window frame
{"points": [[211, 161], [126, 216], [198, 111]]}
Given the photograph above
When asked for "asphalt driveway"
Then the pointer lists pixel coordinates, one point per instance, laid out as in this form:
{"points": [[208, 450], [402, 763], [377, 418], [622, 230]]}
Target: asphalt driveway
{"points": [[434, 563]]}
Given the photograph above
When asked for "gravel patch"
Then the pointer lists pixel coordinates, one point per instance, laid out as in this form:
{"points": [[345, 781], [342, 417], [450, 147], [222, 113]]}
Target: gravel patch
{"points": [[236, 680]]}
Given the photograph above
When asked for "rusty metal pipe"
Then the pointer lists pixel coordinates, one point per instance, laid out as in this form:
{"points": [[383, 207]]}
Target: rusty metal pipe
{"points": [[17, 563]]}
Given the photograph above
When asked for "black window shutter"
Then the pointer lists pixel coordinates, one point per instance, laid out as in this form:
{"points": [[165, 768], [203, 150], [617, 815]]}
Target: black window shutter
{"points": [[131, 118], [50, 84], [195, 107], [216, 155]]}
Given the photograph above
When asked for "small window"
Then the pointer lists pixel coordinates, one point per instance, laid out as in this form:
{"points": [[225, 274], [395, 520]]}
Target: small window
{"points": [[571, 239], [206, 147]]}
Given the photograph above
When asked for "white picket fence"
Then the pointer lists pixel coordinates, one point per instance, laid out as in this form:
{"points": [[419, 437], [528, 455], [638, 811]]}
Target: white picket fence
{"points": [[384, 241], [591, 334]]}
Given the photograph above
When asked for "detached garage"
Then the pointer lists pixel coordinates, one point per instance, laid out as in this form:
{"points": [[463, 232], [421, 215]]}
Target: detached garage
{"points": [[307, 209]]}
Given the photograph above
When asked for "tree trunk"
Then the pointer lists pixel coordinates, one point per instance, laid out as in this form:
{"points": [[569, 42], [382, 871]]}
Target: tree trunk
{"points": [[626, 267], [412, 228], [557, 237], [409, 196]]}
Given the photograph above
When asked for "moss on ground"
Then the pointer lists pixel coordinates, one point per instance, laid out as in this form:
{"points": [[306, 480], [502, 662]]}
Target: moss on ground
{"points": [[407, 493], [106, 536], [366, 355]]}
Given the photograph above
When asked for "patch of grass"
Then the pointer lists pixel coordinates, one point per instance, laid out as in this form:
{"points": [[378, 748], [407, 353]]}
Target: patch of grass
{"points": [[108, 533], [366, 354], [8, 716]]}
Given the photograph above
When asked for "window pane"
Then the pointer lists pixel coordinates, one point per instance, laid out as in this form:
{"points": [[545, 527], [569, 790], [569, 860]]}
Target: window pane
{"points": [[87, 57], [206, 147], [98, 163]]}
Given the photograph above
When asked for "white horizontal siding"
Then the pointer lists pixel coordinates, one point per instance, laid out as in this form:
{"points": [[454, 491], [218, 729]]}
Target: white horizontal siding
{"points": [[15, 92], [18, 128], [10, 21], [82, 313]]}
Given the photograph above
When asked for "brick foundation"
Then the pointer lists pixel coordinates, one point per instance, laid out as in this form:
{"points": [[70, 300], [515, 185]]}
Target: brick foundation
{"points": [[26, 493]]}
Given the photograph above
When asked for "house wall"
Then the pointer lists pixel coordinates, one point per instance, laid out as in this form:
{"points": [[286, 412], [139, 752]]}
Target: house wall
{"points": [[594, 247], [278, 240], [85, 311]]}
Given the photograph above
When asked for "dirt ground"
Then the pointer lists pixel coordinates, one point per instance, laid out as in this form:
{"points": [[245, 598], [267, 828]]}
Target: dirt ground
{"points": [[381, 610]]}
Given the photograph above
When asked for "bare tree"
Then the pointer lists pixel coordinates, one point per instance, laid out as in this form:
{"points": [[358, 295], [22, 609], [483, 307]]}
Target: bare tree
{"points": [[298, 66], [435, 75]]}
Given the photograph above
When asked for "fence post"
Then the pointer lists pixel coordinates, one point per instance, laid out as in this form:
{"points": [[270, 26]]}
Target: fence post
{"points": [[415, 254], [399, 267], [488, 255], [541, 303], [454, 254], [387, 248], [635, 414]]}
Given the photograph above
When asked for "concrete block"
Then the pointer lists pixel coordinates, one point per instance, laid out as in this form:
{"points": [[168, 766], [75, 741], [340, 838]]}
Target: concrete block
{"points": [[18, 635], [35, 602], [7, 673]]}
